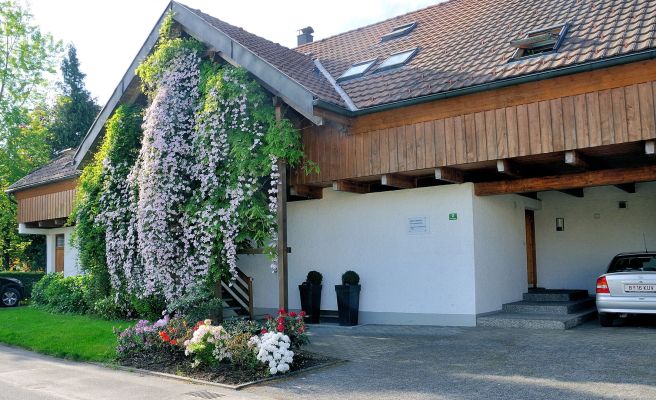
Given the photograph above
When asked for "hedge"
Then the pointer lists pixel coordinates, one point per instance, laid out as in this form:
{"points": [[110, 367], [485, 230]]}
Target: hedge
{"points": [[28, 279]]}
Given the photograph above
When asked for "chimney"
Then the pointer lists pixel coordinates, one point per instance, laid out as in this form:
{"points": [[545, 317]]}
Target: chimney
{"points": [[305, 35]]}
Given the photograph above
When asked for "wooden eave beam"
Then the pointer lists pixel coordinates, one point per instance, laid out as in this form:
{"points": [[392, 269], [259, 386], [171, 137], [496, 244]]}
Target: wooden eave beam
{"points": [[574, 159], [627, 187], [450, 175], [650, 147], [307, 191], [508, 168], [398, 181], [568, 181], [352, 187]]}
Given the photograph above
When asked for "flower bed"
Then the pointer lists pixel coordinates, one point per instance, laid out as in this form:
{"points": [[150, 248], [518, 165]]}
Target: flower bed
{"points": [[233, 353]]}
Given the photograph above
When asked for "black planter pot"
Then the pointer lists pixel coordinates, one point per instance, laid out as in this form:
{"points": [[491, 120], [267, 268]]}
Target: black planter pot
{"points": [[348, 304], [311, 301]]}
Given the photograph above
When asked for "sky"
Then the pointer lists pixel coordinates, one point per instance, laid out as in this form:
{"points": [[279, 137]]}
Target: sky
{"points": [[108, 34]]}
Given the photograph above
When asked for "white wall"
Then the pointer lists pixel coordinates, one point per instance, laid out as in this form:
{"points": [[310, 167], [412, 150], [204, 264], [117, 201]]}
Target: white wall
{"points": [[575, 257], [500, 250], [71, 264], [406, 278]]}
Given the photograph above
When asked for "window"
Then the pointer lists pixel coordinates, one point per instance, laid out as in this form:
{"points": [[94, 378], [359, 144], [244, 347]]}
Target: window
{"points": [[397, 59], [357, 70], [634, 263], [539, 42], [399, 31]]}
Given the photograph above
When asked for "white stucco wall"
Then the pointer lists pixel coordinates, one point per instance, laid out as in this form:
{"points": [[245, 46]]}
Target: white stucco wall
{"points": [[500, 250], [406, 278], [71, 264], [595, 230]]}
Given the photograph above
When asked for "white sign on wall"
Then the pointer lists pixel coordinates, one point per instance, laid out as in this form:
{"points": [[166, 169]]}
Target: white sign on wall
{"points": [[418, 225]]}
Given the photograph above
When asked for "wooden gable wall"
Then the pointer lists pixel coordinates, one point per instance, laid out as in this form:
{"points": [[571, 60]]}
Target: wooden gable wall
{"points": [[46, 202]]}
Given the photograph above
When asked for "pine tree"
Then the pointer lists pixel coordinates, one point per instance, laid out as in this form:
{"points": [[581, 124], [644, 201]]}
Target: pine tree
{"points": [[75, 109]]}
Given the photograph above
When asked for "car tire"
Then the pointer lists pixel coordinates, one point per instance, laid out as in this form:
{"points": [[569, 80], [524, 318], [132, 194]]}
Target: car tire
{"points": [[10, 297], [606, 319]]}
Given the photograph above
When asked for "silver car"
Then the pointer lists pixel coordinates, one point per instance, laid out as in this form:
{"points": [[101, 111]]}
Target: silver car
{"points": [[629, 287]]}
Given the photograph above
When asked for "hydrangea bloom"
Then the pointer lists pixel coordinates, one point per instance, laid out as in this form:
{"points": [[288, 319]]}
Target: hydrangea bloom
{"points": [[208, 343], [273, 349]]}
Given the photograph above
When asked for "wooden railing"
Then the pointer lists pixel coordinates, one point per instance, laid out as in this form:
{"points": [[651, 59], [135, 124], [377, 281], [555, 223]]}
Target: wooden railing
{"points": [[237, 292]]}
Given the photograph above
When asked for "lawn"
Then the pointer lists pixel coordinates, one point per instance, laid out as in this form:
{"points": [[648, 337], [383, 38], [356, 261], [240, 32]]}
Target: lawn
{"points": [[75, 337]]}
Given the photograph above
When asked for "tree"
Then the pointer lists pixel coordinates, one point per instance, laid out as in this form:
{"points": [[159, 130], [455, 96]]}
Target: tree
{"points": [[74, 109], [27, 58]]}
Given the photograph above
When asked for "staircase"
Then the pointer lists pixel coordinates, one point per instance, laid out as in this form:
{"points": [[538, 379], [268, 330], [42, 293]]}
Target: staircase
{"points": [[544, 309], [237, 296]]}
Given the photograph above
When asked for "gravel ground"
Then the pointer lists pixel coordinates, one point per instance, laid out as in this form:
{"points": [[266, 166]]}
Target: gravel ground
{"points": [[393, 362]]}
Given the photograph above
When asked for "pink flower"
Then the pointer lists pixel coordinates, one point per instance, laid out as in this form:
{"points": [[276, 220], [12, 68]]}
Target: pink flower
{"points": [[263, 331], [302, 314], [281, 328], [292, 314]]}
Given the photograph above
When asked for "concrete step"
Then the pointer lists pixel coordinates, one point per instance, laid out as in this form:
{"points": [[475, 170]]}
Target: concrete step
{"points": [[550, 307], [536, 320], [555, 295]]}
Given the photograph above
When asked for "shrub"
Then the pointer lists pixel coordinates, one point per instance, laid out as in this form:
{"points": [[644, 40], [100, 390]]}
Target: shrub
{"points": [[241, 351], [290, 324], [149, 308], [68, 295], [29, 279], [314, 278], [208, 344], [198, 305], [273, 350], [140, 338], [39, 289], [350, 278], [107, 308]]}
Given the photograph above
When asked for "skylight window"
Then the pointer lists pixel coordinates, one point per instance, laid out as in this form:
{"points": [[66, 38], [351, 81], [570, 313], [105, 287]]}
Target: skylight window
{"points": [[399, 31], [357, 70], [539, 42], [398, 59]]}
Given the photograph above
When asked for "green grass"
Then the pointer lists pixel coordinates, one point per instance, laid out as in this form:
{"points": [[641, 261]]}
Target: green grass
{"points": [[76, 337]]}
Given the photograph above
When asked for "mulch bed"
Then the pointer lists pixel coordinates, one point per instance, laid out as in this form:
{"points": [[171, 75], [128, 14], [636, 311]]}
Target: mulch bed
{"points": [[178, 364]]}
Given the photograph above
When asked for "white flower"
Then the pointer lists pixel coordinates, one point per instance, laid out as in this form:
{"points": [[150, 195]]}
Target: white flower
{"points": [[273, 350]]}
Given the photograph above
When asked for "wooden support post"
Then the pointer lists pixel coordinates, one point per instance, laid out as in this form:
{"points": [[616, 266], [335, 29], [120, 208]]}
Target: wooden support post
{"points": [[398, 181], [350, 186], [573, 158], [508, 168], [309, 192], [283, 256], [650, 147], [451, 175]]}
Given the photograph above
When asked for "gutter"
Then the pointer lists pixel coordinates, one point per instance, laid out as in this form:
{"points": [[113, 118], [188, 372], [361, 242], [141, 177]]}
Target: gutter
{"points": [[609, 62]]}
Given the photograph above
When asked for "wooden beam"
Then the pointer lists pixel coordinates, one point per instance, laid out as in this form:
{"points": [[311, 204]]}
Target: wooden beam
{"points": [[568, 181], [573, 158], [650, 147], [352, 187], [627, 187], [307, 191], [573, 192], [508, 168], [283, 256], [398, 181], [451, 175]]}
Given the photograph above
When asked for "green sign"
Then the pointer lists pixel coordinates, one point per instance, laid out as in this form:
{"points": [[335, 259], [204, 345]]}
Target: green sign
{"points": [[453, 216]]}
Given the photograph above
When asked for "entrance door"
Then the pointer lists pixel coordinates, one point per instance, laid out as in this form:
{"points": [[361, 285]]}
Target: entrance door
{"points": [[59, 253], [530, 248]]}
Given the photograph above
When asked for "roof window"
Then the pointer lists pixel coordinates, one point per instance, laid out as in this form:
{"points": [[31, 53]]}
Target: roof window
{"points": [[539, 42], [399, 31], [357, 70], [398, 59]]}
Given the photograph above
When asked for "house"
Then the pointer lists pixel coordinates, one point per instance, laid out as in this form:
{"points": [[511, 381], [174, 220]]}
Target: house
{"points": [[468, 151]]}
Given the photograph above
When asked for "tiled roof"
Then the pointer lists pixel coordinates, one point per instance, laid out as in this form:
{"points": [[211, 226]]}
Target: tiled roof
{"points": [[466, 42], [60, 168], [294, 64]]}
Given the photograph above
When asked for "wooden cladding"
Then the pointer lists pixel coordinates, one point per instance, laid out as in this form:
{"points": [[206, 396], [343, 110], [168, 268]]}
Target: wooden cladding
{"points": [[46, 202], [602, 117]]}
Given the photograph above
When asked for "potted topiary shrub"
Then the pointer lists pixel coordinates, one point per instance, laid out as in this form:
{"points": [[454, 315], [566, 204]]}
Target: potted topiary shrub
{"points": [[348, 298], [311, 296]]}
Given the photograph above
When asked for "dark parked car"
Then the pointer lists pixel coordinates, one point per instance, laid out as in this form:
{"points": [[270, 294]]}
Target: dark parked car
{"points": [[11, 292], [628, 287]]}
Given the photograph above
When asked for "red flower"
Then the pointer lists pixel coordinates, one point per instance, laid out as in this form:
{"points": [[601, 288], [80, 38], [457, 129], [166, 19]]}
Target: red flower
{"points": [[198, 324], [281, 328], [263, 331], [282, 311], [281, 320], [165, 337], [292, 314], [173, 342], [301, 329], [302, 314]]}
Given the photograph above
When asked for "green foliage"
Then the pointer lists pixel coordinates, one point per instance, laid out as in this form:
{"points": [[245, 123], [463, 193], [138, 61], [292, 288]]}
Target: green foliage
{"points": [[75, 337], [64, 295], [200, 304], [29, 279], [314, 278], [149, 308], [108, 308], [75, 109], [39, 289], [121, 147], [350, 278]]}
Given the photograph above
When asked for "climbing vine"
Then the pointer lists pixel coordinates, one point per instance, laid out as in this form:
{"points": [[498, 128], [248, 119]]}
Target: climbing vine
{"points": [[204, 183]]}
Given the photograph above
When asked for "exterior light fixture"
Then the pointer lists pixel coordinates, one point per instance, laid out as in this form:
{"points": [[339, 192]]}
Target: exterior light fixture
{"points": [[560, 224]]}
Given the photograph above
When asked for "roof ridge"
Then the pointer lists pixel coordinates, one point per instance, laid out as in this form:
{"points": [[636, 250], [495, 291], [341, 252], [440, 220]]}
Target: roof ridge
{"points": [[440, 3]]}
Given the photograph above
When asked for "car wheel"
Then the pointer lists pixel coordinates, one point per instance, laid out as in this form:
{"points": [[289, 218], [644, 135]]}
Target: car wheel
{"points": [[606, 319], [10, 297]]}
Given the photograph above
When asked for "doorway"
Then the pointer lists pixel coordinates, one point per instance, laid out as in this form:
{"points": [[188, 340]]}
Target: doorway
{"points": [[59, 253], [531, 269]]}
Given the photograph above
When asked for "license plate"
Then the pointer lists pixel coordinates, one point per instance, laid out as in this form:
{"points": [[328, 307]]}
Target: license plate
{"points": [[639, 288]]}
